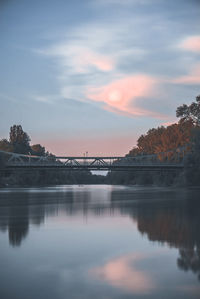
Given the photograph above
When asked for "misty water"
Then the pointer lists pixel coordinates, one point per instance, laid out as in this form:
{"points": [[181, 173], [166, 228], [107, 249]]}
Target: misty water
{"points": [[99, 242]]}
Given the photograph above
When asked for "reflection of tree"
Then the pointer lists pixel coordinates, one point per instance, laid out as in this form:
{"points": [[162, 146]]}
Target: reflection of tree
{"points": [[175, 222], [16, 215], [20, 209], [18, 224], [189, 260]]}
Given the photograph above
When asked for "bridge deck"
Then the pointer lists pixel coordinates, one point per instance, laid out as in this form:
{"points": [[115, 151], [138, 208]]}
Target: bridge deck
{"points": [[96, 167]]}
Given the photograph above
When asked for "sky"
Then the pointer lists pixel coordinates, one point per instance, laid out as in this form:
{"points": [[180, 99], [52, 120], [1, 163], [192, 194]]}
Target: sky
{"points": [[93, 75]]}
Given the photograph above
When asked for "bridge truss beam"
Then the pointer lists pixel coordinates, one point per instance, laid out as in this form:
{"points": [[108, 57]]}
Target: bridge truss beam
{"points": [[137, 163]]}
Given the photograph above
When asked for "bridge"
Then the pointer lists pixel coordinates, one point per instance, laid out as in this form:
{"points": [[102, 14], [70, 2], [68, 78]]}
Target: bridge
{"points": [[154, 162]]}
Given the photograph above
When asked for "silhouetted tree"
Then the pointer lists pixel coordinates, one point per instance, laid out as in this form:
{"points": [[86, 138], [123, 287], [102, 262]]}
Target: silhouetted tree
{"points": [[19, 140], [192, 159], [5, 145], [38, 150], [190, 112], [1, 166]]}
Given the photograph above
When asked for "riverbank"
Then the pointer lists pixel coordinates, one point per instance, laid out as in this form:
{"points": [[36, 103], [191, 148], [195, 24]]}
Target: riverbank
{"points": [[75, 178]]}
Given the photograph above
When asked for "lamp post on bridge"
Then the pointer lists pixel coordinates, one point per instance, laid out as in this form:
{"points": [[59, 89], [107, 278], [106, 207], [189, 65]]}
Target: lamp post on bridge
{"points": [[86, 157]]}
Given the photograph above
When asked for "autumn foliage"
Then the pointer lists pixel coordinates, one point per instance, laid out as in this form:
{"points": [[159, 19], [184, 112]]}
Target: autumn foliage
{"points": [[164, 139]]}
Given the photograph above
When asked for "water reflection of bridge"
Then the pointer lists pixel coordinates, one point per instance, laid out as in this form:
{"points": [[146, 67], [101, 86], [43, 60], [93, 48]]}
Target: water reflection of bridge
{"points": [[154, 162]]}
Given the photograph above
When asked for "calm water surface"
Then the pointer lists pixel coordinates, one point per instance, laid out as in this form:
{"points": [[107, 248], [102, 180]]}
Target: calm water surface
{"points": [[99, 242]]}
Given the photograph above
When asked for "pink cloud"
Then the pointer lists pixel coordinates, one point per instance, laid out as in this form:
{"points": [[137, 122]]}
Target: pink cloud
{"points": [[122, 273], [169, 123], [191, 43], [101, 62], [85, 58], [192, 78], [121, 95]]}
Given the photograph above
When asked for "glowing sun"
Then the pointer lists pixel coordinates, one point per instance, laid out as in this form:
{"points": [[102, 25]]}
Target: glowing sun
{"points": [[114, 96]]}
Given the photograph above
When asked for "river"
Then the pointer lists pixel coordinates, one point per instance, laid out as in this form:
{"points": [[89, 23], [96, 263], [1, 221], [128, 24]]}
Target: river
{"points": [[101, 242]]}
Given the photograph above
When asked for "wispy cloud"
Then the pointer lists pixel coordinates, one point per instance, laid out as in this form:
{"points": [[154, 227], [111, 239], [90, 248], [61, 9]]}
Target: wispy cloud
{"points": [[191, 43], [79, 58], [48, 99], [192, 78]]}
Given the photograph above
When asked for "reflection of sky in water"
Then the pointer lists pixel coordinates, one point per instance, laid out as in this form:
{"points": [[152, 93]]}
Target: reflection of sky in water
{"points": [[122, 272], [99, 241]]}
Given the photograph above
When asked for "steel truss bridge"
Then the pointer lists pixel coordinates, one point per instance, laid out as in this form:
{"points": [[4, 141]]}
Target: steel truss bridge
{"points": [[154, 162]]}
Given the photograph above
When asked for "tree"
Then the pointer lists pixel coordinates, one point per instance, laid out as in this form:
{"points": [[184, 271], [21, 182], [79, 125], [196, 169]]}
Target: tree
{"points": [[2, 162], [192, 159], [38, 150], [163, 139], [19, 140], [134, 152], [5, 145], [190, 112], [149, 142]]}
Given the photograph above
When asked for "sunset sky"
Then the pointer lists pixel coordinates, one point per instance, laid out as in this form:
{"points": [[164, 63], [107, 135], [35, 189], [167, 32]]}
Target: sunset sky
{"points": [[93, 75]]}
